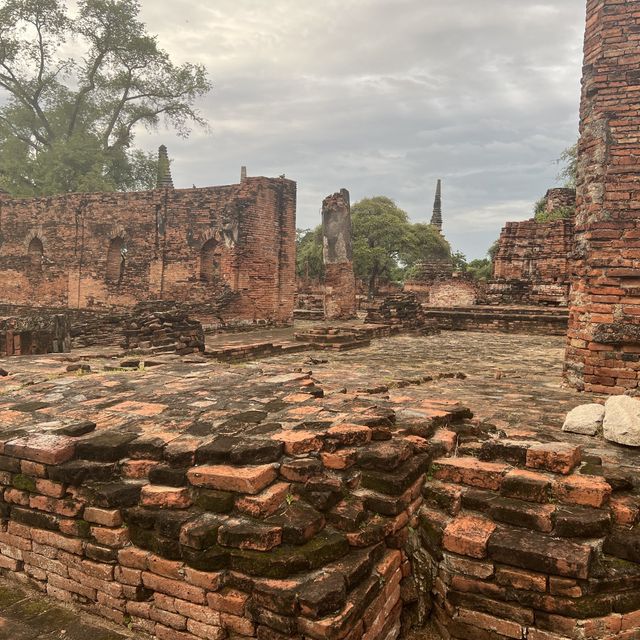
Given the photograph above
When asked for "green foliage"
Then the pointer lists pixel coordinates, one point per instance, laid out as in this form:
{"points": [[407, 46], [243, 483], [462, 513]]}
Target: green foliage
{"points": [[561, 213], [309, 261], [569, 172], [480, 269], [385, 244], [459, 261], [493, 250], [69, 123]]}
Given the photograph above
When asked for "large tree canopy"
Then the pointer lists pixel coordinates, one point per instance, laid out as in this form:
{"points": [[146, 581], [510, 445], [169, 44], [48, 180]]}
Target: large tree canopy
{"points": [[385, 243], [67, 123]]}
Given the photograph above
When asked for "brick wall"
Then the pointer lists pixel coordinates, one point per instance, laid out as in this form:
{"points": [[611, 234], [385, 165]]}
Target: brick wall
{"points": [[453, 292], [603, 353], [532, 264], [539, 321], [117, 249]]}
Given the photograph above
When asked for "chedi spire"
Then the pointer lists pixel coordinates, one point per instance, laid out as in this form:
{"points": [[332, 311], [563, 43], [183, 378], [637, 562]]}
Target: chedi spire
{"points": [[436, 219], [165, 181]]}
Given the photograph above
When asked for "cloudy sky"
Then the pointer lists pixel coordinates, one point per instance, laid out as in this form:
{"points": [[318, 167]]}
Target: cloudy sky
{"points": [[383, 97]]}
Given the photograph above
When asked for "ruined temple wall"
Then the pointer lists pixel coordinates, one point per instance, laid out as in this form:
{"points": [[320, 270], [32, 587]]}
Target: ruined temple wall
{"points": [[532, 264], [252, 226], [604, 326]]}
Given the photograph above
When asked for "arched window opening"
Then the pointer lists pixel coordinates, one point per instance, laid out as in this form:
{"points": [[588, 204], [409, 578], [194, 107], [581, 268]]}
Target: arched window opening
{"points": [[36, 255], [209, 261], [115, 261]]}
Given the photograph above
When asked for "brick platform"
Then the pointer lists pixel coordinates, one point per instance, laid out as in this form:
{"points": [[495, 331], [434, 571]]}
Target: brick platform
{"points": [[528, 540], [525, 320]]}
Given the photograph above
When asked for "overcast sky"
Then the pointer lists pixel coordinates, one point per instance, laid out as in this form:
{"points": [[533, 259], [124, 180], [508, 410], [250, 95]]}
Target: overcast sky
{"points": [[382, 97]]}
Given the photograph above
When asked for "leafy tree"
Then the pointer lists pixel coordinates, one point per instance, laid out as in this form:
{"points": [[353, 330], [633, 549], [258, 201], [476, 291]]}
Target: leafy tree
{"points": [[493, 250], [480, 269], [459, 261], [385, 244], [309, 260], [569, 172], [69, 123]]}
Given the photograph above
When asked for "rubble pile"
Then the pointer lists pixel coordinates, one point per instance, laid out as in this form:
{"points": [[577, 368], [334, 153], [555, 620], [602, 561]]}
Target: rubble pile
{"points": [[166, 329]]}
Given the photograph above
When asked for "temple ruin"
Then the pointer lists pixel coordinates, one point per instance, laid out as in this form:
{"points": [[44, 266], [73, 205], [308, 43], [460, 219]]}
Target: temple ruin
{"points": [[363, 480], [110, 251]]}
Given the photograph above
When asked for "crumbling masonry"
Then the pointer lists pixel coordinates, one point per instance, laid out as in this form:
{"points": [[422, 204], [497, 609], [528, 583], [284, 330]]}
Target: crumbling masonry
{"points": [[339, 278], [603, 351], [114, 250]]}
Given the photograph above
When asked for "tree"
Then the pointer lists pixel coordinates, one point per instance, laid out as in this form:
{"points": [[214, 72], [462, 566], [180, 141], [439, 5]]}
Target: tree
{"points": [[309, 260], [569, 172], [385, 244], [69, 123]]}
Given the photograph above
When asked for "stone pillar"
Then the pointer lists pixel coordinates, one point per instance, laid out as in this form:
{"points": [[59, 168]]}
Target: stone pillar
{"points": [[603, 351], [339, 278]]}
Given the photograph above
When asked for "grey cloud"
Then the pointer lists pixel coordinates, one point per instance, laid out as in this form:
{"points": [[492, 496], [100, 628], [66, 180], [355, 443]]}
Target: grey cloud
{"points": [[383, 97]]}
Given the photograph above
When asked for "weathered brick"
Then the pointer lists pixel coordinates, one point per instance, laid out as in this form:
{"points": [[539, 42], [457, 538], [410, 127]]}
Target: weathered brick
{"points": [[468, 536], [250, 480]]}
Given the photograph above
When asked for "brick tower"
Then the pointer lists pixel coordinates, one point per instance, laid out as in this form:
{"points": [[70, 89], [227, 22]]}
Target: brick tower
{"points": [[436, 218], [603, 351]]}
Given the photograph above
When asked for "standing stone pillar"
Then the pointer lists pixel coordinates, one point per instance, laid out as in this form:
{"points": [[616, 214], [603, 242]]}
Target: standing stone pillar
{"points": [[603, 351], [339, 277]]}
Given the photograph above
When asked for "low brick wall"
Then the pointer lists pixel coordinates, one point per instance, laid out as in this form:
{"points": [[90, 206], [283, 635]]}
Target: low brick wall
{"points": [[35, 333], [526, 320], [321, 518], [525, 539], [261, 530]]}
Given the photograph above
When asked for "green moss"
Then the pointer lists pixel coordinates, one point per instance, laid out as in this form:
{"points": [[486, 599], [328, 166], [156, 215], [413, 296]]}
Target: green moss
{"points": [[84, 528], [24, 483]]}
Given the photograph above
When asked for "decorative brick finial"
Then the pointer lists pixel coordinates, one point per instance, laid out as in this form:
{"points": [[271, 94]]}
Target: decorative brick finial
{"points": [[436, 219], [165, 181]]}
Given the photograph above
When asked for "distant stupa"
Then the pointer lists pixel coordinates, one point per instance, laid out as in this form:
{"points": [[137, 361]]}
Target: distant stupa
{"points": [[165, 181], [436, 218]]}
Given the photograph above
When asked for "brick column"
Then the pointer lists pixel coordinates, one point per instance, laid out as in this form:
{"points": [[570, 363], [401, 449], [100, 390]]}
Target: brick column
{"points": [[603, 351], [339, 278]]}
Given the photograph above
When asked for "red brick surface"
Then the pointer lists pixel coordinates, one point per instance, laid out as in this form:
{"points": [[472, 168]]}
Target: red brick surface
{"points": [[251, 225], [604, 327]]}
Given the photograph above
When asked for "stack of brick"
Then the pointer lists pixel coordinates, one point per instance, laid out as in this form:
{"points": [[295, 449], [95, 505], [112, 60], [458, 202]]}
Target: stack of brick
{"points": [[335, 338], [527, 540], [35, 333], [166, 329], [533, 264], [403, 310], [309, 306], [603, 350], [275, 532]]}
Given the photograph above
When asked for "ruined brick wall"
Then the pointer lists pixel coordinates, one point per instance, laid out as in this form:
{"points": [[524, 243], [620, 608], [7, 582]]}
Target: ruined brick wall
{"points": [[35, 334], [339, 277], [562, 198], [454, 292], [117, 249], [532, 264], [603, 353], [495, 319]]}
